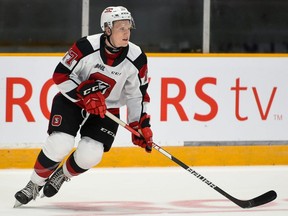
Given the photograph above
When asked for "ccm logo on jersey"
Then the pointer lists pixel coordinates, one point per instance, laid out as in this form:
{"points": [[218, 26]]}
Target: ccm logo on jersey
{"points": [[98, 86], [116, 73]]}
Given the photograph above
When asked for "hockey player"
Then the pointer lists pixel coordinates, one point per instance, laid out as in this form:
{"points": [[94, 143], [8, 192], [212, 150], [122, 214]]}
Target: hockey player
{"points": [[100, 72]]}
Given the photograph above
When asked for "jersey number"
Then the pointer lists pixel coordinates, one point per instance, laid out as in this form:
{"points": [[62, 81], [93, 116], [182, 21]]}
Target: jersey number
{"points": [[70, 57]]}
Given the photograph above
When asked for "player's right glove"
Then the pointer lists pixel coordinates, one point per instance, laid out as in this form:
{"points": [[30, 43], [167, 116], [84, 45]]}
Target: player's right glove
{"points": [[143, 126], [93, 100]]}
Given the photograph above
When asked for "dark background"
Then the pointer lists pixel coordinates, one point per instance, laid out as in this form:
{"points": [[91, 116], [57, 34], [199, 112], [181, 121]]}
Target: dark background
{"points": [[237, 26]]}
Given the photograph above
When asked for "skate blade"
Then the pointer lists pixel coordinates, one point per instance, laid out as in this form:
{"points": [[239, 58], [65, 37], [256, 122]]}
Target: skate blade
{"points": [[17, 204]]}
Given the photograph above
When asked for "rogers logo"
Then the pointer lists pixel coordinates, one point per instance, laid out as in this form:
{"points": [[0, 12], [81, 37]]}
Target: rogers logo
{"points": [[263, 104]]}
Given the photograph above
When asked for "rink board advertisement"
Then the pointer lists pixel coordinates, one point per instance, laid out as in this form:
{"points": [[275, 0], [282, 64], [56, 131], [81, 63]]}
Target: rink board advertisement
{"points": [[193, 99]]}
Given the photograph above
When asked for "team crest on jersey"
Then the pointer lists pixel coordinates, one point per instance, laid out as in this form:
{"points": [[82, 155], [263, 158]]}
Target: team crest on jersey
{"points": [[56, 120]]}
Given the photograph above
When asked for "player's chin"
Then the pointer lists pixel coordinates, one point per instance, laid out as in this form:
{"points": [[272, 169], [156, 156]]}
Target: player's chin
{"points": [[125, 43]]}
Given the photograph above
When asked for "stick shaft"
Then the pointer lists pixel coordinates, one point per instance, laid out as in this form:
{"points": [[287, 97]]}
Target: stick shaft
{"points": [[260, 200], [122, 123], [162, 151]]}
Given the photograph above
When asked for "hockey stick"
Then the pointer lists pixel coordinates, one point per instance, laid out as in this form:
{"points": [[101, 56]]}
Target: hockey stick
{"points": [[257, 201]]}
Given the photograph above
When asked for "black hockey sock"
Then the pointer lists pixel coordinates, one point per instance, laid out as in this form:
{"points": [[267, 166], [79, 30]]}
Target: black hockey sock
{"points": [[72, 166], [44, 167]]}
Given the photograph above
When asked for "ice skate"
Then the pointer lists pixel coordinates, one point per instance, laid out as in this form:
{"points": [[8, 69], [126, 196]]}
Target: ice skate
{"points": [[54, 183], [31, 191]]}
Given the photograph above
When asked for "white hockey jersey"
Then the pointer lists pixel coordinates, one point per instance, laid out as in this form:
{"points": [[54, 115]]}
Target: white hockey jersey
{"points": [[124, 82]]}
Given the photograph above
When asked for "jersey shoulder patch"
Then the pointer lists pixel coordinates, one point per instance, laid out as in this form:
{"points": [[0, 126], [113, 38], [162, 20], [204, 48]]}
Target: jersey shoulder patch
{"points": [[134, 51], [94, 41]]}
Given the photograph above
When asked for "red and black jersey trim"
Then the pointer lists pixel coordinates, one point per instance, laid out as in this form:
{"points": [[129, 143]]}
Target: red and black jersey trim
{"points": [[61, 74], [118, 59], [84, 46], [73, 94], [140, 61]]}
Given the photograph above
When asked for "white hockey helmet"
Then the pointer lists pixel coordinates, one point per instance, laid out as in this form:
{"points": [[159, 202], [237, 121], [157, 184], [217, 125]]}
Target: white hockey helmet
{"points": [[111, 14]]}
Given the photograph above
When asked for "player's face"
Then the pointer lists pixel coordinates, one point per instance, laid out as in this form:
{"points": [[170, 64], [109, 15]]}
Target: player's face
{"points": [[121, 33]]}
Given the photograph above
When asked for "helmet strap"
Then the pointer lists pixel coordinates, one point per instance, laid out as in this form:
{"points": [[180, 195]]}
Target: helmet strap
{"points": [[111, 49]]}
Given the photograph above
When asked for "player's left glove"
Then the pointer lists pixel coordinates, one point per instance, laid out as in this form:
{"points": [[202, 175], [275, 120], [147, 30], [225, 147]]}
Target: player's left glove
{"points": [[93, 100], [143, 126]]}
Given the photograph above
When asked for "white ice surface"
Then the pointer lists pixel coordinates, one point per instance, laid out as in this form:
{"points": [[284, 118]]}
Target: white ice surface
{"points": [[152, 191]]}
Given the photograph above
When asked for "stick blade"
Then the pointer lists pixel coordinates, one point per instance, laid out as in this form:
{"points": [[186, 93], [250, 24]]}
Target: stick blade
{"points": [[260, 200]]}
